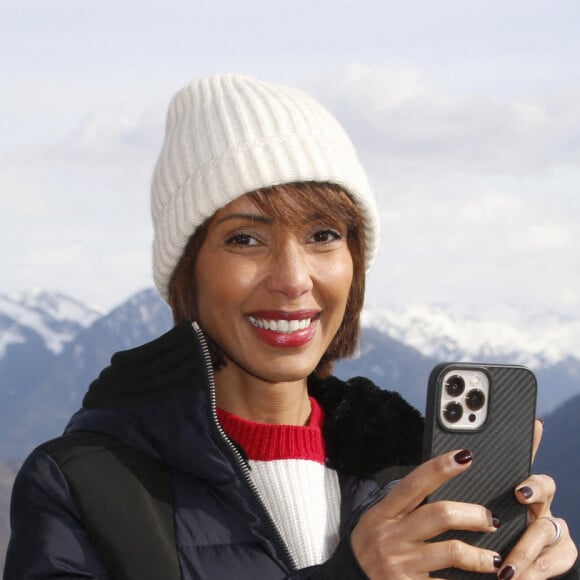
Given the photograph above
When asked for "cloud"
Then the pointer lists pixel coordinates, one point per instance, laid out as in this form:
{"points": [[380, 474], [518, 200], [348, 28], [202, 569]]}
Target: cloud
{"points": [[491, 246], [112, 134], [477, 192], [398, 112], [74, 214]]}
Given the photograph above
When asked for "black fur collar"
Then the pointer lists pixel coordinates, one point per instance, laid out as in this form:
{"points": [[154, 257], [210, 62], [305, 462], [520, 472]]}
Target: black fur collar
{"points": [[367, 429]]}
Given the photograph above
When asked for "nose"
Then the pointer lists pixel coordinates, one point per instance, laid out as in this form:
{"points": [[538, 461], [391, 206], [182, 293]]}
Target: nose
{"points": [[290, 270]]}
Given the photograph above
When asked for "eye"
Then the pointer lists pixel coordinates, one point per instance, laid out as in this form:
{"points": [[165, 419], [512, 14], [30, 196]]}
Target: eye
{"points": [[241, 239], [326, 235]]}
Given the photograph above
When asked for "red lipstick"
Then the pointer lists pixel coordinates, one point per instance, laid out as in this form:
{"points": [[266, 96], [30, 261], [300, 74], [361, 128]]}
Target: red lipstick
{"points": [[284, 329]]}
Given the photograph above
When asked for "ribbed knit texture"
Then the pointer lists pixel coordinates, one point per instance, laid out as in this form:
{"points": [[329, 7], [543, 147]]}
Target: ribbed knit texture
{"points": [[301, 493], [227, 135]]}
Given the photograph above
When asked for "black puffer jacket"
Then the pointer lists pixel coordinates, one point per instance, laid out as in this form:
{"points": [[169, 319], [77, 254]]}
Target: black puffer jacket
{"points": [[145, 485]]}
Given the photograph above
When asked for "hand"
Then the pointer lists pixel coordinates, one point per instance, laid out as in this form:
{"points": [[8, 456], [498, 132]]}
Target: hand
{"points": [[536, 555], [390, 539]]}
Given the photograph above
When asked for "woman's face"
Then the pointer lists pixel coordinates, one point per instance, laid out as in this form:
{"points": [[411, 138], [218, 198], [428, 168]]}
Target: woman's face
{"points": [[270, 296]]}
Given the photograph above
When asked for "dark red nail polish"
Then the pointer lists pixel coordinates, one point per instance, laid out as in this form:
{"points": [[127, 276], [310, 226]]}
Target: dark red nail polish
{"points": [[497, 560], [507, 573], [526, 491], [463, 457], [495, 521]]}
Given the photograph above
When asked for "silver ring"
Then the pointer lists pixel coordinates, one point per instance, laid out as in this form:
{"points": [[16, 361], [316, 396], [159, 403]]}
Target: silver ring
{"points": [[558, 529]]}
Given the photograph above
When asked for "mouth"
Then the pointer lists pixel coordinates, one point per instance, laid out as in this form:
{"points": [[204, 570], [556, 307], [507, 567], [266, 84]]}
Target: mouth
{"points": [[280, 324], [284, 323]]}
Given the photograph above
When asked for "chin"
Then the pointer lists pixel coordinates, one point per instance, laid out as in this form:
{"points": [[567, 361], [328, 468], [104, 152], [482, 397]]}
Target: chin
{"points": [[279, 373]]}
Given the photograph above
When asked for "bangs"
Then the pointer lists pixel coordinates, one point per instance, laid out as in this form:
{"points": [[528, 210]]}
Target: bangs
{"points": [[292, 204]]}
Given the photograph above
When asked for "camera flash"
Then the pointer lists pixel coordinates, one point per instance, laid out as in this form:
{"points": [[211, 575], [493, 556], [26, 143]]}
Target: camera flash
{"points": [[474, 381]]}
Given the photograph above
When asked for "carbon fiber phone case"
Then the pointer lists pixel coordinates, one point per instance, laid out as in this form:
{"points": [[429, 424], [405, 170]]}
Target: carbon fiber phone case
{"points": [[501, 454]]}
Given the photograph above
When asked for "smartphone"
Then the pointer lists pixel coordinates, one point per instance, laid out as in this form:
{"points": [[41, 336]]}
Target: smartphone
{"points": [[489, 409]]}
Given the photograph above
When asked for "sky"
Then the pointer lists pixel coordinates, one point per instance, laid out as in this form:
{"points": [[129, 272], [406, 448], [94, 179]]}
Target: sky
{"points": [[465, 115]]}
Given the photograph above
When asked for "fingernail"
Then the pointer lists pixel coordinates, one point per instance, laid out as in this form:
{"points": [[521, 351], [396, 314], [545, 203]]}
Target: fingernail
{"points": [[541, 421], [507, 573], [526, 491], [463, 457], [497, 560], [495, 521]]}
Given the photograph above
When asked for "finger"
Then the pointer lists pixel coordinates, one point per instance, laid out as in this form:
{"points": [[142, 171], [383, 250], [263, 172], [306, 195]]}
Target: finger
{"points": [[430, 520], [537, 438], [534, 551], [537, 492], [457, 554], [412, 490]]}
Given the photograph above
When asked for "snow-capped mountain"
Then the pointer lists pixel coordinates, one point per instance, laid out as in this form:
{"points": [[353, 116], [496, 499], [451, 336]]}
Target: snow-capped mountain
{"points": [[537, 339], [55, 318], [41, 388], [53, 347]]}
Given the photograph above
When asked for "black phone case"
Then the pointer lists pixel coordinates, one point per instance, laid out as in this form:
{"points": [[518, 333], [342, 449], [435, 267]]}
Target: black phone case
{"points": [[501, 449]]}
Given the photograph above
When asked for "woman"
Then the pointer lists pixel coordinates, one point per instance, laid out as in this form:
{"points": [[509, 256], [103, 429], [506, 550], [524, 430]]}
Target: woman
{"points": [[225, 448]]}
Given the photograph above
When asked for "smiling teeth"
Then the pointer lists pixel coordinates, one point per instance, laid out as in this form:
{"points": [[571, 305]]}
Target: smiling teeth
{"points": [[285, 326]]}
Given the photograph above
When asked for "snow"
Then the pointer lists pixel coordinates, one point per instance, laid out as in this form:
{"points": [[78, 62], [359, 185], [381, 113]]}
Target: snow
{"points": [[58, 306], [9, 336], [536, 339], [56, 318]]}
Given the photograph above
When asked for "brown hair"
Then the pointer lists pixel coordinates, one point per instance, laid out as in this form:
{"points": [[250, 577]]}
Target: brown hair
{"points": [[325, 199]]}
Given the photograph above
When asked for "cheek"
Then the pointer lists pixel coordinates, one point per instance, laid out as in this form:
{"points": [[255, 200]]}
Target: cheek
{"points": [[335, 279], [213, 292], [212, 305], [206, 284], [223, 283], [342, 275]]}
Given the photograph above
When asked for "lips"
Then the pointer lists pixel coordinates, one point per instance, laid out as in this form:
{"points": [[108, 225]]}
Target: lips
{"points": [[279, 328]]}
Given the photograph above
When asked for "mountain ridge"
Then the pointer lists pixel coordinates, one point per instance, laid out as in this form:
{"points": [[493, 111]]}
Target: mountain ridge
{"points": [[38, 398], [55, 317], [536, 338]]}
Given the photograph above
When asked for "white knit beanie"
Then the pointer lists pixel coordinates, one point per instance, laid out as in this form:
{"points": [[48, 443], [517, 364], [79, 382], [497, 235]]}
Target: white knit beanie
{"points": [[227, 135]]}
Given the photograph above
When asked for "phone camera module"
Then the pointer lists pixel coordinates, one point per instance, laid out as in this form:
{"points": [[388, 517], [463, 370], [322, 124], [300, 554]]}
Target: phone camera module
{"points": [[453, 412], [463, 399], [455, 385], [475, 399]]}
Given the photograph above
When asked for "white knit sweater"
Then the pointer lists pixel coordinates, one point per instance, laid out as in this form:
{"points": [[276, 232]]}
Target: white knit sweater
{"points": [[301, 493]]}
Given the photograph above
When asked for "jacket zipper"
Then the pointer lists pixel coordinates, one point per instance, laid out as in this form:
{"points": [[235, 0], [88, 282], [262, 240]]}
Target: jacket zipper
{"points": [[237, 456]]}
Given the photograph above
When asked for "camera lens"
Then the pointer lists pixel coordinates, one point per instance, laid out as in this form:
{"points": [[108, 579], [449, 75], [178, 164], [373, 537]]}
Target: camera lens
{"points": [[453, 412], [454, 386], [475, 399]]}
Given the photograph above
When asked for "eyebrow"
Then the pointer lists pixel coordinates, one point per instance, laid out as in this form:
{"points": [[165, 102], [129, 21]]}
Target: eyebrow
{"points": [[246, 216]]}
